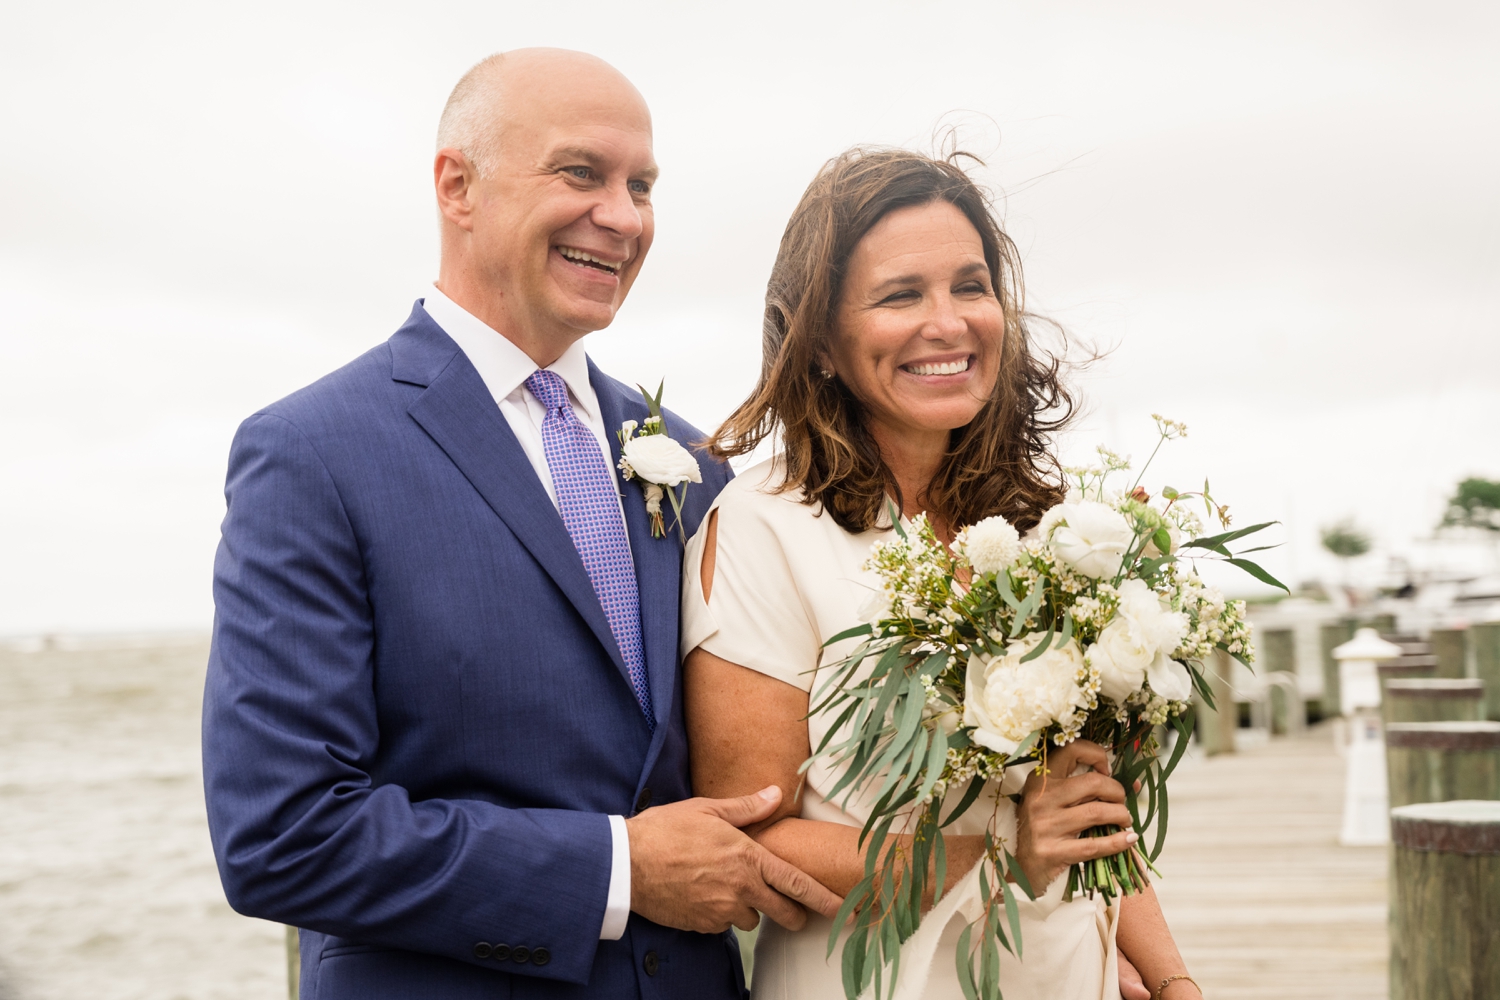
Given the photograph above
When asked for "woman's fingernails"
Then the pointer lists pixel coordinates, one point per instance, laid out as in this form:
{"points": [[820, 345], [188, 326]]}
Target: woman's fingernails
{"points": [[1132, 837]]}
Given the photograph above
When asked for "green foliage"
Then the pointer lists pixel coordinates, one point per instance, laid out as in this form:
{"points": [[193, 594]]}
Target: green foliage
{"points": [[1345, 540], [1475, 504]]}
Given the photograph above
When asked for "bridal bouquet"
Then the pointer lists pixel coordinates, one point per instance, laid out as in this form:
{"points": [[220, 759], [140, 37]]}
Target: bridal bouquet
{"points": [[984, 657]]}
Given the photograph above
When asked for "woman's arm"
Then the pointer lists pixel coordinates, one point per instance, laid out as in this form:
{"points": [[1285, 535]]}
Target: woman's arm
{"points": [[747, 731], [1146, 941]]}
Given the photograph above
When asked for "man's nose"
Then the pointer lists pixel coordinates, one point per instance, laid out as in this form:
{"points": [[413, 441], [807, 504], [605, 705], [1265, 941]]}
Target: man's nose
{"points": [[618, 212]]}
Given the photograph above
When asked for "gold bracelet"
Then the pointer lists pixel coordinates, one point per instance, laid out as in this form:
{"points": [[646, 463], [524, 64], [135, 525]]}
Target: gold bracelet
{"points": [[1172, 979]]}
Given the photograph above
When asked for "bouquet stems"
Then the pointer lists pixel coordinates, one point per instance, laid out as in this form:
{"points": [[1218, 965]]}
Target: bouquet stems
{"points": [[1122, 874]]}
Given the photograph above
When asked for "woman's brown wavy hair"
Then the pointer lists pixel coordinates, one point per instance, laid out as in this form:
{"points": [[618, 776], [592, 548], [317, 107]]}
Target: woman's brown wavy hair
{"points": [[999, 463]]}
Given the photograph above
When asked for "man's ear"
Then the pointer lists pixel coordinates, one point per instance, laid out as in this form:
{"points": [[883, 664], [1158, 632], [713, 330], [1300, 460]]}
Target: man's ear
{"points": [[453, 176]]}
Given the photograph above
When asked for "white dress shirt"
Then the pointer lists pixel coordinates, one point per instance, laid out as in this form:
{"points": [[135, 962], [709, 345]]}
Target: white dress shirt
{"points": [[505, 369]]}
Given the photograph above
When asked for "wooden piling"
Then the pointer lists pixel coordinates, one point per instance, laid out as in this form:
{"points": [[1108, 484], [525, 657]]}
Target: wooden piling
{"points": [[293, 964], [1331, 636], [1405, 667], [1432, 699], [1216, 726], [1445, 906], [1484, 660], [1448, 645], [1441, 761]]}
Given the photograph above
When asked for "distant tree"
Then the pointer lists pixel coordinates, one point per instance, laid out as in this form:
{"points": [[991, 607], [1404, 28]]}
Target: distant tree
{"points": [[1475, 504], [1345, 540]]}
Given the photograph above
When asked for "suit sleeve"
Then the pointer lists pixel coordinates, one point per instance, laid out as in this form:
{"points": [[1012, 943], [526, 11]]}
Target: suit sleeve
{"points": [[302, 833]]}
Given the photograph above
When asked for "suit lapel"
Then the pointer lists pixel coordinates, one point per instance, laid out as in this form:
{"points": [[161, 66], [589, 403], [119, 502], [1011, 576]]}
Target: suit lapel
{"points": [[459, 413], [658, 561]]}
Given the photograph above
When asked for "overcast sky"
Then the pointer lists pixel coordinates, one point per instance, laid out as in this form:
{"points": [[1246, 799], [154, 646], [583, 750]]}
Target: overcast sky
{"points": [[1283, 219]]}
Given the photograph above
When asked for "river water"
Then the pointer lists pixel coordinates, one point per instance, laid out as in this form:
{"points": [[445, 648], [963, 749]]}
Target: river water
{"points": [[108, 889]]}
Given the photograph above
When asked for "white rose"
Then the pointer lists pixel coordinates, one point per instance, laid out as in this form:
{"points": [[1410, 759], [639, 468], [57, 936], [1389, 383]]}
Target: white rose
{"points": [[656, 458], [1121, 654], [991, 545], [1089, 536], [1005, 699], [1169, 678]]}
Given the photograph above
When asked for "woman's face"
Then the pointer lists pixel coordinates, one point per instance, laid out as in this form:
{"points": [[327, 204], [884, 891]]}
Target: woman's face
{"points": [[918, 331]]}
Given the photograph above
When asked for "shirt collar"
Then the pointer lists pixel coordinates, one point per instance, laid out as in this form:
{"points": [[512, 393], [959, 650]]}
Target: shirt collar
{"points": [[502, 365]]}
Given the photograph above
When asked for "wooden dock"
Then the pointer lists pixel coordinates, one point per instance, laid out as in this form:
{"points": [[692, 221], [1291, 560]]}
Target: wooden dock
{"points": [[108, 888], [1262, 899]]}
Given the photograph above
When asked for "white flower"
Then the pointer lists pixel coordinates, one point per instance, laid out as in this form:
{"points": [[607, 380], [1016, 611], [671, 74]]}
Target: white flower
{"points": [[656, 458], [1141, 632], [876, 607], [991, 545], [1168, 678], [1174, 533], [1121, 654], [1005, 699], [1089, 536]]}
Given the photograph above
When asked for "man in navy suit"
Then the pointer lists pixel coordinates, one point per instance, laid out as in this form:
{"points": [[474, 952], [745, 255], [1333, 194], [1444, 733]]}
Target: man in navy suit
{"points": [[442, 728]]}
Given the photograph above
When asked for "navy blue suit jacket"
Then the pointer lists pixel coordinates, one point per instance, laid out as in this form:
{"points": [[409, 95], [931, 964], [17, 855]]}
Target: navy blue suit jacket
{"points": [[417, 720]]}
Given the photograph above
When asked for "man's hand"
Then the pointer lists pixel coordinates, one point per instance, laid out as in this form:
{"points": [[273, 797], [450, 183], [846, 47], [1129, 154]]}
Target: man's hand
{"points": [[693, 869], [1131, 986]]}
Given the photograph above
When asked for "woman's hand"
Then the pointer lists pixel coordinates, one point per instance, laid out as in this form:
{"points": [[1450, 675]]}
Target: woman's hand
{"points": [[1055, 808]]}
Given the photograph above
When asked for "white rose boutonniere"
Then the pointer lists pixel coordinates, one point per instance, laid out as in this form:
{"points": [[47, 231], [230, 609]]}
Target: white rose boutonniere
{"points": [[660, 463]]}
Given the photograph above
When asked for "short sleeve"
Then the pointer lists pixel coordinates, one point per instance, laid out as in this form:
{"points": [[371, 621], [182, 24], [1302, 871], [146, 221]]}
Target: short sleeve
{"points": [[757, 615]]}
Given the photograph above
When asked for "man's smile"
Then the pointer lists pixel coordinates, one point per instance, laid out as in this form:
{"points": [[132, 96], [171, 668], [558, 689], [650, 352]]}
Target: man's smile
{"points": [[597, 262]]}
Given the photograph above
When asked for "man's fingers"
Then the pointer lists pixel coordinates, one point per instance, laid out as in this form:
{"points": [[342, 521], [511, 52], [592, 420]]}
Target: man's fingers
{"points": [[1131, 986], [796, 884], [746, 920], [746, 809], [776, 906]]}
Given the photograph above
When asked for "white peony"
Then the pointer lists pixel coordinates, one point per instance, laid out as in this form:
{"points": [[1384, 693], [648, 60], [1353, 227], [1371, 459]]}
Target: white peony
{"points": [[991, 545], [1089, 536], [1168, 678], [1005, 700], [1141, 632], [656, 458], [1121, 654]]}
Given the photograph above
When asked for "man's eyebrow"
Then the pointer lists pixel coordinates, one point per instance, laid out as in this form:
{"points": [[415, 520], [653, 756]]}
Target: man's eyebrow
{"points": [[573, 154]]}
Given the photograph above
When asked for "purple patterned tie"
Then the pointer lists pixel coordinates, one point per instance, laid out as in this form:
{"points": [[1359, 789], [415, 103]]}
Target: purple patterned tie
{"points": [[586, 495]]}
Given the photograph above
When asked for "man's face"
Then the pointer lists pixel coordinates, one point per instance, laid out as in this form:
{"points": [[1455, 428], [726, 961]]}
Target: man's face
{"points": [[564, 221]]}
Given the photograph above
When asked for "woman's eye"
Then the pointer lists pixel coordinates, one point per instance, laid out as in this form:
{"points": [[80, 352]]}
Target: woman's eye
{"points": [[907, 295]]}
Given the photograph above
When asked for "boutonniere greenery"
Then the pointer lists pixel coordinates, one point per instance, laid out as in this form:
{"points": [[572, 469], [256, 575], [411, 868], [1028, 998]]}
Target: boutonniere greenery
{"points": [[659, 463]]}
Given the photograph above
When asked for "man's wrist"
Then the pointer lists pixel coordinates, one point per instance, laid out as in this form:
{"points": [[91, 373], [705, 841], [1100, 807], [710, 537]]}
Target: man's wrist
{"points": [[617, 901]]}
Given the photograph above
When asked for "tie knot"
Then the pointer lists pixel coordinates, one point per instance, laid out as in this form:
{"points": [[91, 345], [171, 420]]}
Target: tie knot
{"points": [[549, 389]]}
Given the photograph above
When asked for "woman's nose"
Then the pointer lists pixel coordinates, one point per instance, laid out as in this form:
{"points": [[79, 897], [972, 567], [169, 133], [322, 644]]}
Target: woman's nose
{"points": [[944, 322]]}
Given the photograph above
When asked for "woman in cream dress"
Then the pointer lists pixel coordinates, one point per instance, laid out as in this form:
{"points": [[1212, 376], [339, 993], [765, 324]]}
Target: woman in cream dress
{"points": [[897, 370]]}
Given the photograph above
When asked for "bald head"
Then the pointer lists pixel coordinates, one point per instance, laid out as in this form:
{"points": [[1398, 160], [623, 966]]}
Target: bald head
{"points": [[515, 89]]}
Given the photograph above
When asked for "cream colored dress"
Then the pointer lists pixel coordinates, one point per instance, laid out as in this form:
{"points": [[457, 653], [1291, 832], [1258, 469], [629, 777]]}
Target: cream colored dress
{"points": [[785, 579]]}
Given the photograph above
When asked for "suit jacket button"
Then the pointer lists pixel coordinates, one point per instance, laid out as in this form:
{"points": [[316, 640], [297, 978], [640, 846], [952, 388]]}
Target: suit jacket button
{"points": [[520, 953], [501, 952], [652, 963], [483, 949], [643, 802], [540, 956]]}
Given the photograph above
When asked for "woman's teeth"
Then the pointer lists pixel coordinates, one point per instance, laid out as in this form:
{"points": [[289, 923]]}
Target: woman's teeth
{"points": [[947, 368], [589, 259]]}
